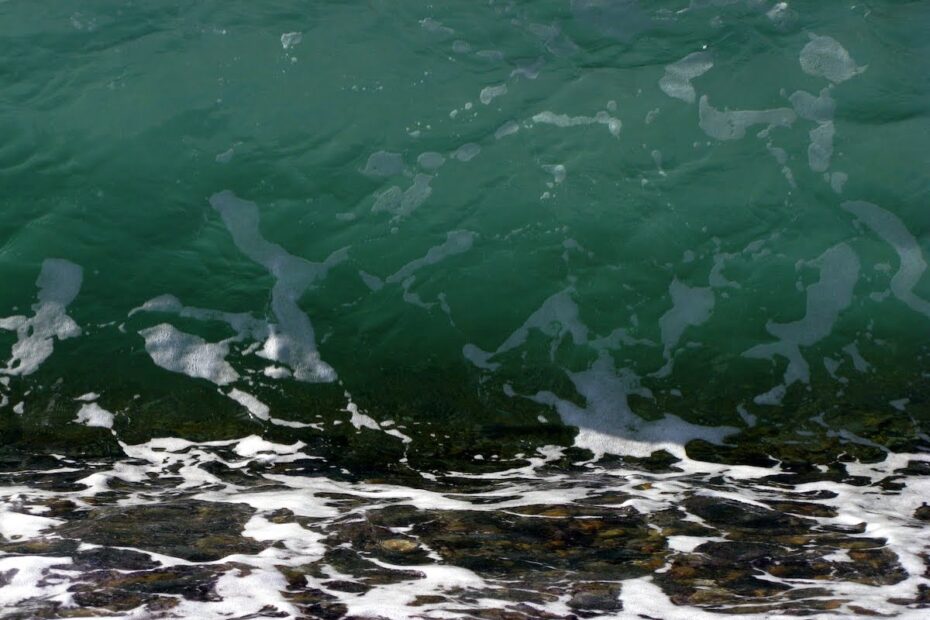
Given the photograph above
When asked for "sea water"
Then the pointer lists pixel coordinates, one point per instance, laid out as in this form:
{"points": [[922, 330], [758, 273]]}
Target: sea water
{"points": [[588, 308]]}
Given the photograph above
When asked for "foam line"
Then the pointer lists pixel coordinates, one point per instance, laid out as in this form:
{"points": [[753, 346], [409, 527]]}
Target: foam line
{"points": [[732, 124], [59, 282], [457, 242], [893, 231], [826, 298], [92, 414], [564, 120], [188, 354], [824, 57], [293, 344], [677, 79], [691, 306]]}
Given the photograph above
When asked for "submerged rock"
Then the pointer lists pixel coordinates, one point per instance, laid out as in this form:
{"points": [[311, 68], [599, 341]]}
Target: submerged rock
{"points": [[188, 529]]}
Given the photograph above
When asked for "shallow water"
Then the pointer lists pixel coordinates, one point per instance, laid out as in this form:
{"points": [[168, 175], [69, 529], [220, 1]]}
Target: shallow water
{"points": [[464, 310]]}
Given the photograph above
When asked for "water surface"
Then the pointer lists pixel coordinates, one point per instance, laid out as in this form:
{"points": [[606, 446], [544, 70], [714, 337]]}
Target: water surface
{"points": [[605, 259]]}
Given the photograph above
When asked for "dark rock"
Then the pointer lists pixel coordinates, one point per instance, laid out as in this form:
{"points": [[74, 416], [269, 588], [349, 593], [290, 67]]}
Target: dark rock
{"points": [[117, 590], [915, 468], [738, 551], [352, 587], [596, 597], [727, 513], [108, 558], [188, 529], [922, 512]]}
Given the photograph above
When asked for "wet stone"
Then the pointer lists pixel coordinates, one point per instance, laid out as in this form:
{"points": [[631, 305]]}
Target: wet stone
{"points": [[921, 601], [922, 513], [227, 474], [353, 587], [727, 513], [60, 508], [187, 529], [738, 552], [659, 462], [915, 468], [517, 612], [533, 557], [805, 509], [673, 523], [350, 562], [596, 598], [41, 546], [590, 542], [119, 590], [109, 558], [689, 578], [399, 545], [878, 566], [316, 604], [843, 528], [370, 537], [891, 483]]}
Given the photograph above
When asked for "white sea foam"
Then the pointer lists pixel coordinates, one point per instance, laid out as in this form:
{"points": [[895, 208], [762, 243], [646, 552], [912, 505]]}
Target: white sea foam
{"points": [[677, 79], [820, 108], [292, 342], [607, 424], [401, 203], [213, 355], [490, 93], [529, 71], [732, 124], [92, 414], [384, 164], [432, 25], [691, 306], [466, 152], [290, 39], [457, 242], [276, 372], [893, 231], [226, 156], [558, 316], [59, 282], [18, 525], [254, 584], [557, 171], [188, 354], [507, 129], [614, 125], [373, 282], [826, 298], [256, 407], [244, 324], [359, 420], [820, 150], [430, 160], [28, 578], [824, 57]]}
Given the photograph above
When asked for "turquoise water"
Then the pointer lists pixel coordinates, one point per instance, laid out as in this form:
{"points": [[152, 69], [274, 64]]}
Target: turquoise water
{"points": [[525, 150], [427, 237]]}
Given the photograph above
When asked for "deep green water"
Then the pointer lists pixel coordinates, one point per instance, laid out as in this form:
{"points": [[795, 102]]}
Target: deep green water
{"points": [[556, 309], [738, 239]]}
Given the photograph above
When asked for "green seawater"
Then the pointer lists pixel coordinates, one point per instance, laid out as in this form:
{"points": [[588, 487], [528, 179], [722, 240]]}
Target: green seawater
{"points": [[481, 221]]}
